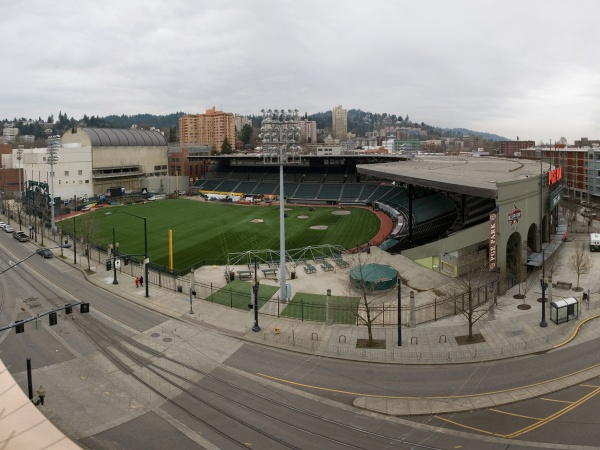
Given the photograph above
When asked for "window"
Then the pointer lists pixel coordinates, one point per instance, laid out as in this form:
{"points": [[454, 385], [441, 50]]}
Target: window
{"points": [[66, 173], [80, 172], [87, 181]]}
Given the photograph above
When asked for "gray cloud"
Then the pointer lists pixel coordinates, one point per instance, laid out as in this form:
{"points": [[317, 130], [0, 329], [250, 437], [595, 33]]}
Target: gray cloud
{"points": [[513, 68]]}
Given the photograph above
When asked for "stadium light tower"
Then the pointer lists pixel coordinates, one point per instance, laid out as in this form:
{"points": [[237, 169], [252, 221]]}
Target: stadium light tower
{"points": [[54, 144], [279, 133]]}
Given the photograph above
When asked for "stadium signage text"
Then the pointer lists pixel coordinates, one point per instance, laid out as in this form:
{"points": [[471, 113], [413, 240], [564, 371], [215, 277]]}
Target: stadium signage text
{"points": [[492, 249], [554, 175]]}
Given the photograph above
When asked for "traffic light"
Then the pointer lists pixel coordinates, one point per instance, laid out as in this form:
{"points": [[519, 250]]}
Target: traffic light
{"points": [[19, 327], [53, 318], [68, 309], [108, 264], [126, 261], [84, 308]]}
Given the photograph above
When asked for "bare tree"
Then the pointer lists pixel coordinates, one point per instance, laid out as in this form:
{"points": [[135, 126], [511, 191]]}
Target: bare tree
{"points": [[580, 262], [529, 282], [367, 311], [470, 296], [569, 210], [88, 231], [551, 265]]}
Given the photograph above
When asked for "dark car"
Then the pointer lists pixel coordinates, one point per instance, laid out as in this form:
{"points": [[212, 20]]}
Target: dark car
{"points": [[45, 252]]}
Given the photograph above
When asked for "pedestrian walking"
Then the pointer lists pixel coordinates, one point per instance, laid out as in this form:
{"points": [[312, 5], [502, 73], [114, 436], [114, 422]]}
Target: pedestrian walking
{"points": [[137, 281], [141, 281]]}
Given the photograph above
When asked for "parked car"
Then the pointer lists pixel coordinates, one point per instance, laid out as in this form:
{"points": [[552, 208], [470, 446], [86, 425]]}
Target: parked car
{"points": [[8, 229], [20, 236], [2, 224], [45, 252], [86, 208]]}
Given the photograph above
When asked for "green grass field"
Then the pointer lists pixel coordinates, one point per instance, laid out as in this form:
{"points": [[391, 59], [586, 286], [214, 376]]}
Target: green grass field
{"points": [[205, 232], [313, 307]]}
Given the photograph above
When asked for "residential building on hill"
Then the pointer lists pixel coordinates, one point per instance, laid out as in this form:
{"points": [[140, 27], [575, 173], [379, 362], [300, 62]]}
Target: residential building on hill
{"points": [[211, 128], [339, 127], [508, 148]]}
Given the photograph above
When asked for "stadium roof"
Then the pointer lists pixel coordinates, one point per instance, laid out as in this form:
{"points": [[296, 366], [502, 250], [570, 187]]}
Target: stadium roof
{"points": [[115, 137], [478, 176]]}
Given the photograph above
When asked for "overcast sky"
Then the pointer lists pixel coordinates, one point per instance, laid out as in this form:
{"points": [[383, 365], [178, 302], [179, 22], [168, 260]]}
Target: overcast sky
{"points": [[514, 68]]}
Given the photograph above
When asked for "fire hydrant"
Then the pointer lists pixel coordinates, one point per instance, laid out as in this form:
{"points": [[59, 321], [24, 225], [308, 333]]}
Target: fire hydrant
{"points": [[276, 329]]}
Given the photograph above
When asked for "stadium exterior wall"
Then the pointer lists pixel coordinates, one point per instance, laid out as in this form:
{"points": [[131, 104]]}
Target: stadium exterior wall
{"points": [[518, 203]]}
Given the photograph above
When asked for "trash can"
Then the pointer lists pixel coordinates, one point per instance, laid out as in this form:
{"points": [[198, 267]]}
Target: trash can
{"points": [[293, 275]]}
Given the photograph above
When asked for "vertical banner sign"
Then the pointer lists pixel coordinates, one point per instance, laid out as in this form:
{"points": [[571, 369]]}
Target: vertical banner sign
{"points": [[493, 234]]}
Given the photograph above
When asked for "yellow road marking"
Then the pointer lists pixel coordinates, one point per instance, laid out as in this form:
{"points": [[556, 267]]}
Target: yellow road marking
{"points": [[555, 415], [516, 415], [468, 427], [320, 388], [558, 401]]}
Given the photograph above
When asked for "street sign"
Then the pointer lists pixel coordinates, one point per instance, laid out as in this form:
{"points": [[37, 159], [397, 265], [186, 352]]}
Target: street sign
{"points": [[117, 263]]}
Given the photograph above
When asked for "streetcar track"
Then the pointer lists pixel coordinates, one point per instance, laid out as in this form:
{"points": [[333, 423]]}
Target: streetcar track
{"points": [[55, 299]]}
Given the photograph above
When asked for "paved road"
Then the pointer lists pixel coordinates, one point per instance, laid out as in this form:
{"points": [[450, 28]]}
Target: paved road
{"points": [[117, 406]]}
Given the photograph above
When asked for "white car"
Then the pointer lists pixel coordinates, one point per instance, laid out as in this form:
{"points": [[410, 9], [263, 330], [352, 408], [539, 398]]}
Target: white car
{"points": [[2, 224], [8, 229]]}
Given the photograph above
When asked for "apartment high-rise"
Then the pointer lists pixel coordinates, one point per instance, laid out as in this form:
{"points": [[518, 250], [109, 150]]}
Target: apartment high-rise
{"points": [[339, 127], [210, 129]]}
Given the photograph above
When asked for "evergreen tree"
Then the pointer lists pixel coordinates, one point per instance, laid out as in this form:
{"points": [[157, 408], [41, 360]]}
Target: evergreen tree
{"points": [[246, 134], [226, 147]]}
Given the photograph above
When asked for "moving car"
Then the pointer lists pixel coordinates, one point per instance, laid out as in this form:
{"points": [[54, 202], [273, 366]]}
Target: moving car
{"points": [[45, 252], [20, 236]]}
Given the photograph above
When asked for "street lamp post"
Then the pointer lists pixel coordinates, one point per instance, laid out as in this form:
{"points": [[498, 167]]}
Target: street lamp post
{"points": [[54, 144], [544, 285], [74, 241], [255, 286], [19, 157], [115, 256], [146, 260], [399, 312]]}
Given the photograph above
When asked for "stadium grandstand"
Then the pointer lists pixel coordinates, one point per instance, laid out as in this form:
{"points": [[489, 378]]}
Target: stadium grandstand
{"points": [[420, 214]]}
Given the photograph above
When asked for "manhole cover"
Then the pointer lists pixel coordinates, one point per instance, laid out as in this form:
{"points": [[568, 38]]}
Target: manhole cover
{"points": [[155, 334], [167, 339]]}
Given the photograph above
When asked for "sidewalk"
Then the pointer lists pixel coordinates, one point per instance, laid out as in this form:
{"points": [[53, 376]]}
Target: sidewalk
{"points": [[511, 332]]}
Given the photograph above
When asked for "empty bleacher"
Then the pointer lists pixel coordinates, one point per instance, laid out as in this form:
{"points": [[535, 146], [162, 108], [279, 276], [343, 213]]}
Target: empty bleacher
{"points": [[330, 192], [351, 192]]}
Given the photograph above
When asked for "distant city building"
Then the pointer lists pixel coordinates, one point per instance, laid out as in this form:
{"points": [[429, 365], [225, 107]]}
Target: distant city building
{"points": [[10, 134], [210, 129], [27, 138], [329, 150], [339, 127], [585, 142], [308, 130], [579, 172], [181, 165], [240, 121], [508, 148]]}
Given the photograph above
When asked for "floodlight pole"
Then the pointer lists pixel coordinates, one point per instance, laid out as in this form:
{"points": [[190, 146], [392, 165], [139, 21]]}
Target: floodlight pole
{"points": [[280, 130], [54, 144]]}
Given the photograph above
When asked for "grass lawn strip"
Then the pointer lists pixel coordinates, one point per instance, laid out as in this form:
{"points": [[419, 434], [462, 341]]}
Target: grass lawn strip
{"points": [[314, 307], [237, 294]]}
